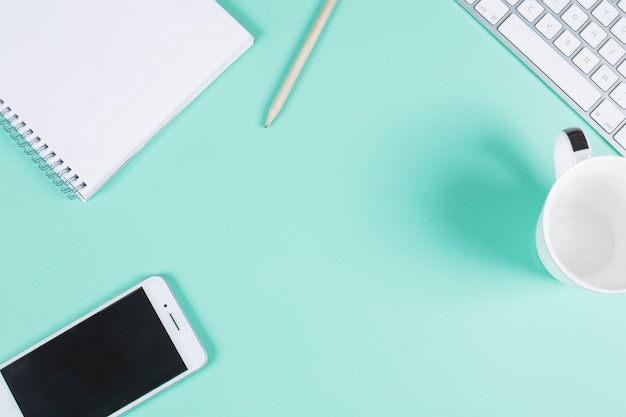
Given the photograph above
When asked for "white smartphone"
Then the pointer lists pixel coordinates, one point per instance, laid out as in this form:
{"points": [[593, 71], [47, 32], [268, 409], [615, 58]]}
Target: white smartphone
{"points": [[106, 362]]}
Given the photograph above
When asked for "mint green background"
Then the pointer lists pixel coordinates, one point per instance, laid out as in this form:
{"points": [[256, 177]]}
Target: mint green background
{"points": [[370, 254]]}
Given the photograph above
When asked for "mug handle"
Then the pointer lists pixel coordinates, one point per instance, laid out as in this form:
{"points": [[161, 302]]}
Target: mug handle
{"points": [[570, 147]]}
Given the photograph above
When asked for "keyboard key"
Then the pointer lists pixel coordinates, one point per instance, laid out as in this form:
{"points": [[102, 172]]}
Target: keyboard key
{"points": [[619, 95], [555, 67], [619, 29], [492, 10], [587, 3], [608, 116], [604, 78], [574, 17], [549, 26], [567, 43], [593, 34], [622, 5], [530, 9], [605, 13], [612, 52], [620, 137], [557, 6], [586, 60], [622, 68]]}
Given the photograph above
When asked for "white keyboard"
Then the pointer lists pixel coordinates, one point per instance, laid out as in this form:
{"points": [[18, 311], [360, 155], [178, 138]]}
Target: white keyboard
{"points": [[578, 47]]}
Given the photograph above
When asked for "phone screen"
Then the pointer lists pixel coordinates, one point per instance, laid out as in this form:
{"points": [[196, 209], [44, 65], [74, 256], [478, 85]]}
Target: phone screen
{"points": [[99, 366]]}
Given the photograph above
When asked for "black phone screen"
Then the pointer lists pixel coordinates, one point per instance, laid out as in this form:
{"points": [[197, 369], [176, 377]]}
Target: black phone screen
{"points": [[99, 366]]}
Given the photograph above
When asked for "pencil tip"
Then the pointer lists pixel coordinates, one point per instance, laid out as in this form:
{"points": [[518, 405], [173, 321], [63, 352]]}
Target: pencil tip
{"points": [[270, 118]]}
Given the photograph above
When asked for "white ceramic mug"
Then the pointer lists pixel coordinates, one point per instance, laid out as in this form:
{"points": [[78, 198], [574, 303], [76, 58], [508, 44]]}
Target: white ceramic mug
{"points": [[581, 233]]}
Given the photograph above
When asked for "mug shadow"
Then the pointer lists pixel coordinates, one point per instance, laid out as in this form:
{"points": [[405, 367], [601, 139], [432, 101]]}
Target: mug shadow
{"points": [[491, 202]]}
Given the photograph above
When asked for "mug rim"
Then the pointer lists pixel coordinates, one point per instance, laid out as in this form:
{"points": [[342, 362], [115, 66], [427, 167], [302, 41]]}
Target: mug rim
{"points": [[549, 202]]}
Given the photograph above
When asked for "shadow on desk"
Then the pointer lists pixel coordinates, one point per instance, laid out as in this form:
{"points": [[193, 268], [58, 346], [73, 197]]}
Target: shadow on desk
{"points": [[489, 202]]}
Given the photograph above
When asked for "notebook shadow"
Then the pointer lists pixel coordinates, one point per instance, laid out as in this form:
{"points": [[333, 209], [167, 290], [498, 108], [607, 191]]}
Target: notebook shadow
{"points": [[234, 10], [491, 202]]}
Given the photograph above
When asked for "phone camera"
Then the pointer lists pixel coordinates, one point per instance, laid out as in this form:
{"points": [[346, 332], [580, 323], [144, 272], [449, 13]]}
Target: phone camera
{"points": [[165, 305]]}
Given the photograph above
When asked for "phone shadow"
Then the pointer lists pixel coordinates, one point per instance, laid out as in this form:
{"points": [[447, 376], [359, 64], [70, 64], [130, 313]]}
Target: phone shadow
{"points": [[194, 319]]}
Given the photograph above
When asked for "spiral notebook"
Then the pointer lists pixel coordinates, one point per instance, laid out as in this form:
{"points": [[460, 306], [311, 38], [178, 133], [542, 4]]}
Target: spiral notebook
{"points": [[85, 84]]}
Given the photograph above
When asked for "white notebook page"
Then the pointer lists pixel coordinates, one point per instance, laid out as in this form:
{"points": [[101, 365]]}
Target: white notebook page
{"points": [[97, 79]]}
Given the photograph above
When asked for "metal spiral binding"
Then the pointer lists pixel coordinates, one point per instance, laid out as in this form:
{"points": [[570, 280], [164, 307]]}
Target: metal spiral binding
{"points": [[39, 152]]}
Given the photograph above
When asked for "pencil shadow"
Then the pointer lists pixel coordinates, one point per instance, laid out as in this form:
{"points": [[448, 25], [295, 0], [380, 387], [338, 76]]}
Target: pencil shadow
{"points": [[490, 203], [195, 320]]}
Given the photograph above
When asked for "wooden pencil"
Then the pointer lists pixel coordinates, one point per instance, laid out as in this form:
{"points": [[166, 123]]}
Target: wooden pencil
{"points": [[299, 62]]}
